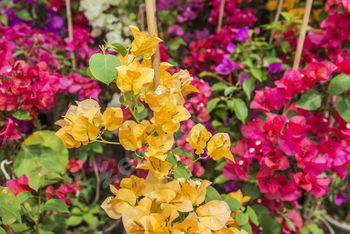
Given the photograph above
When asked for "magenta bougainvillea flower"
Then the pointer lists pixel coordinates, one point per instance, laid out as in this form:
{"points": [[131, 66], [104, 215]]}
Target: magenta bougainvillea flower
{"points": [[339, 198], [10, 131], [74, 165], [270, 99], [312, 184], [19, 185]]}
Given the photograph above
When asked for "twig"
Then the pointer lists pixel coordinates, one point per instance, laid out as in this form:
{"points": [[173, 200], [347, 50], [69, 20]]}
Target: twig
{"points": [[113, 226], [97, 195], [7, 229], [70, 31], [152, 30], [142, 16], [277, 16], [221, 15], [7, 176]]}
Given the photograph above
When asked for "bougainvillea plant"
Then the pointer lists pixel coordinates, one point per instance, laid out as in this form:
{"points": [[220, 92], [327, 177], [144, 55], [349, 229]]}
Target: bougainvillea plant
{"points": [[169, 200]]}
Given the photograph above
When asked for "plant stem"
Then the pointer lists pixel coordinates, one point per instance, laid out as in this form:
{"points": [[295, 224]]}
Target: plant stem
{"points": [[133, 114], [39, 203], [70, 31], [7, 229], [36, 223], [97, 196]]}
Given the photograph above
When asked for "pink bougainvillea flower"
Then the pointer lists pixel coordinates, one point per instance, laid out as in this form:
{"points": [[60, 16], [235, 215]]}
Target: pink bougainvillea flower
{"points": [[8, 102], [10, 131], [298, 221], [76, 185], [292, 82], [312, 184], [306, 152], [186, 126], [275, 159], [270, 99], [274, 125], [62, 192], [74, 166], [340, 198], [255, 124], [316, 165], [320, 71], [267, 183], [19, 185], [238, 170], [50, 192]]}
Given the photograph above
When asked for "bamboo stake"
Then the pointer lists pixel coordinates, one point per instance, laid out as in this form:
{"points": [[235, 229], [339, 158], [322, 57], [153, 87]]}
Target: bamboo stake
{"points": [[142, 17], [152, 30], [300, 45], [70, 31], [302, 34], [221, 15], [277, 16]]}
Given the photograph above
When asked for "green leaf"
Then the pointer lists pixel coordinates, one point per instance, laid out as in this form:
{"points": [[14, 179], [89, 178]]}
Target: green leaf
{"points": [[97, 147], [343, 107], [4, 20], [229, 90], [285, 46], [56, 205], [233, 203], [182, 152], [2, 231], [88, 72], [171, 159], [240, 109], [310, 100], [249, 86], [36, 181], [212, 194], [219, 87], [290, 224], [286, 16], [304, 230], [271, 226], [24, 196], [21, 114], [74, 220], [174, 44], [230, 104], [141, 115], [182, 173], [49, 139], [246, 227], [220, 179], [256, 72], [32, 156], [242, 218], [103, 67], [212, 104], [270, 60], [95, 209], [251, 190], [91, 219], [9, 207], [140, 107], [23, 15], [19, 227], [119, 48], [55, 223], [261, 211], [252, 216], [339, 85]]}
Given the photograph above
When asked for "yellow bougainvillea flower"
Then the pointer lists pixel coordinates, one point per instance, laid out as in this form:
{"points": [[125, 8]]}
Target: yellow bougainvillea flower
{"points": [[131, 221], [219, 146], [150, 186], [198, 138], [271, 5], [158, 167], [231, 231], [112, 118], [159, 145], [170, 117], [124, 200], [133, 80], [154, 223], [157, 99], [131, 134], [144, 45], [82, 130], [239, 196], [189, 225], [194, 190], [214, 214], [297, 12], [133, 183], [108, 208], [289, 4], [67, 139]]}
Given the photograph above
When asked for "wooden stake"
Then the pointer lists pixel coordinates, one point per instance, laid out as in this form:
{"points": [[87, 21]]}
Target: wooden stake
{"points": [[302, 34], [221, 15], [142, 17], [152, 30], [300, 45], [70, 31], [277, 16]]}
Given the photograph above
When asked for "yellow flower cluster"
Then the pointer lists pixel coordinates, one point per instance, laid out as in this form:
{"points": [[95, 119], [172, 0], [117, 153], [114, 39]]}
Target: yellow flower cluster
{"points": [[160, 203], [152, 206]]}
